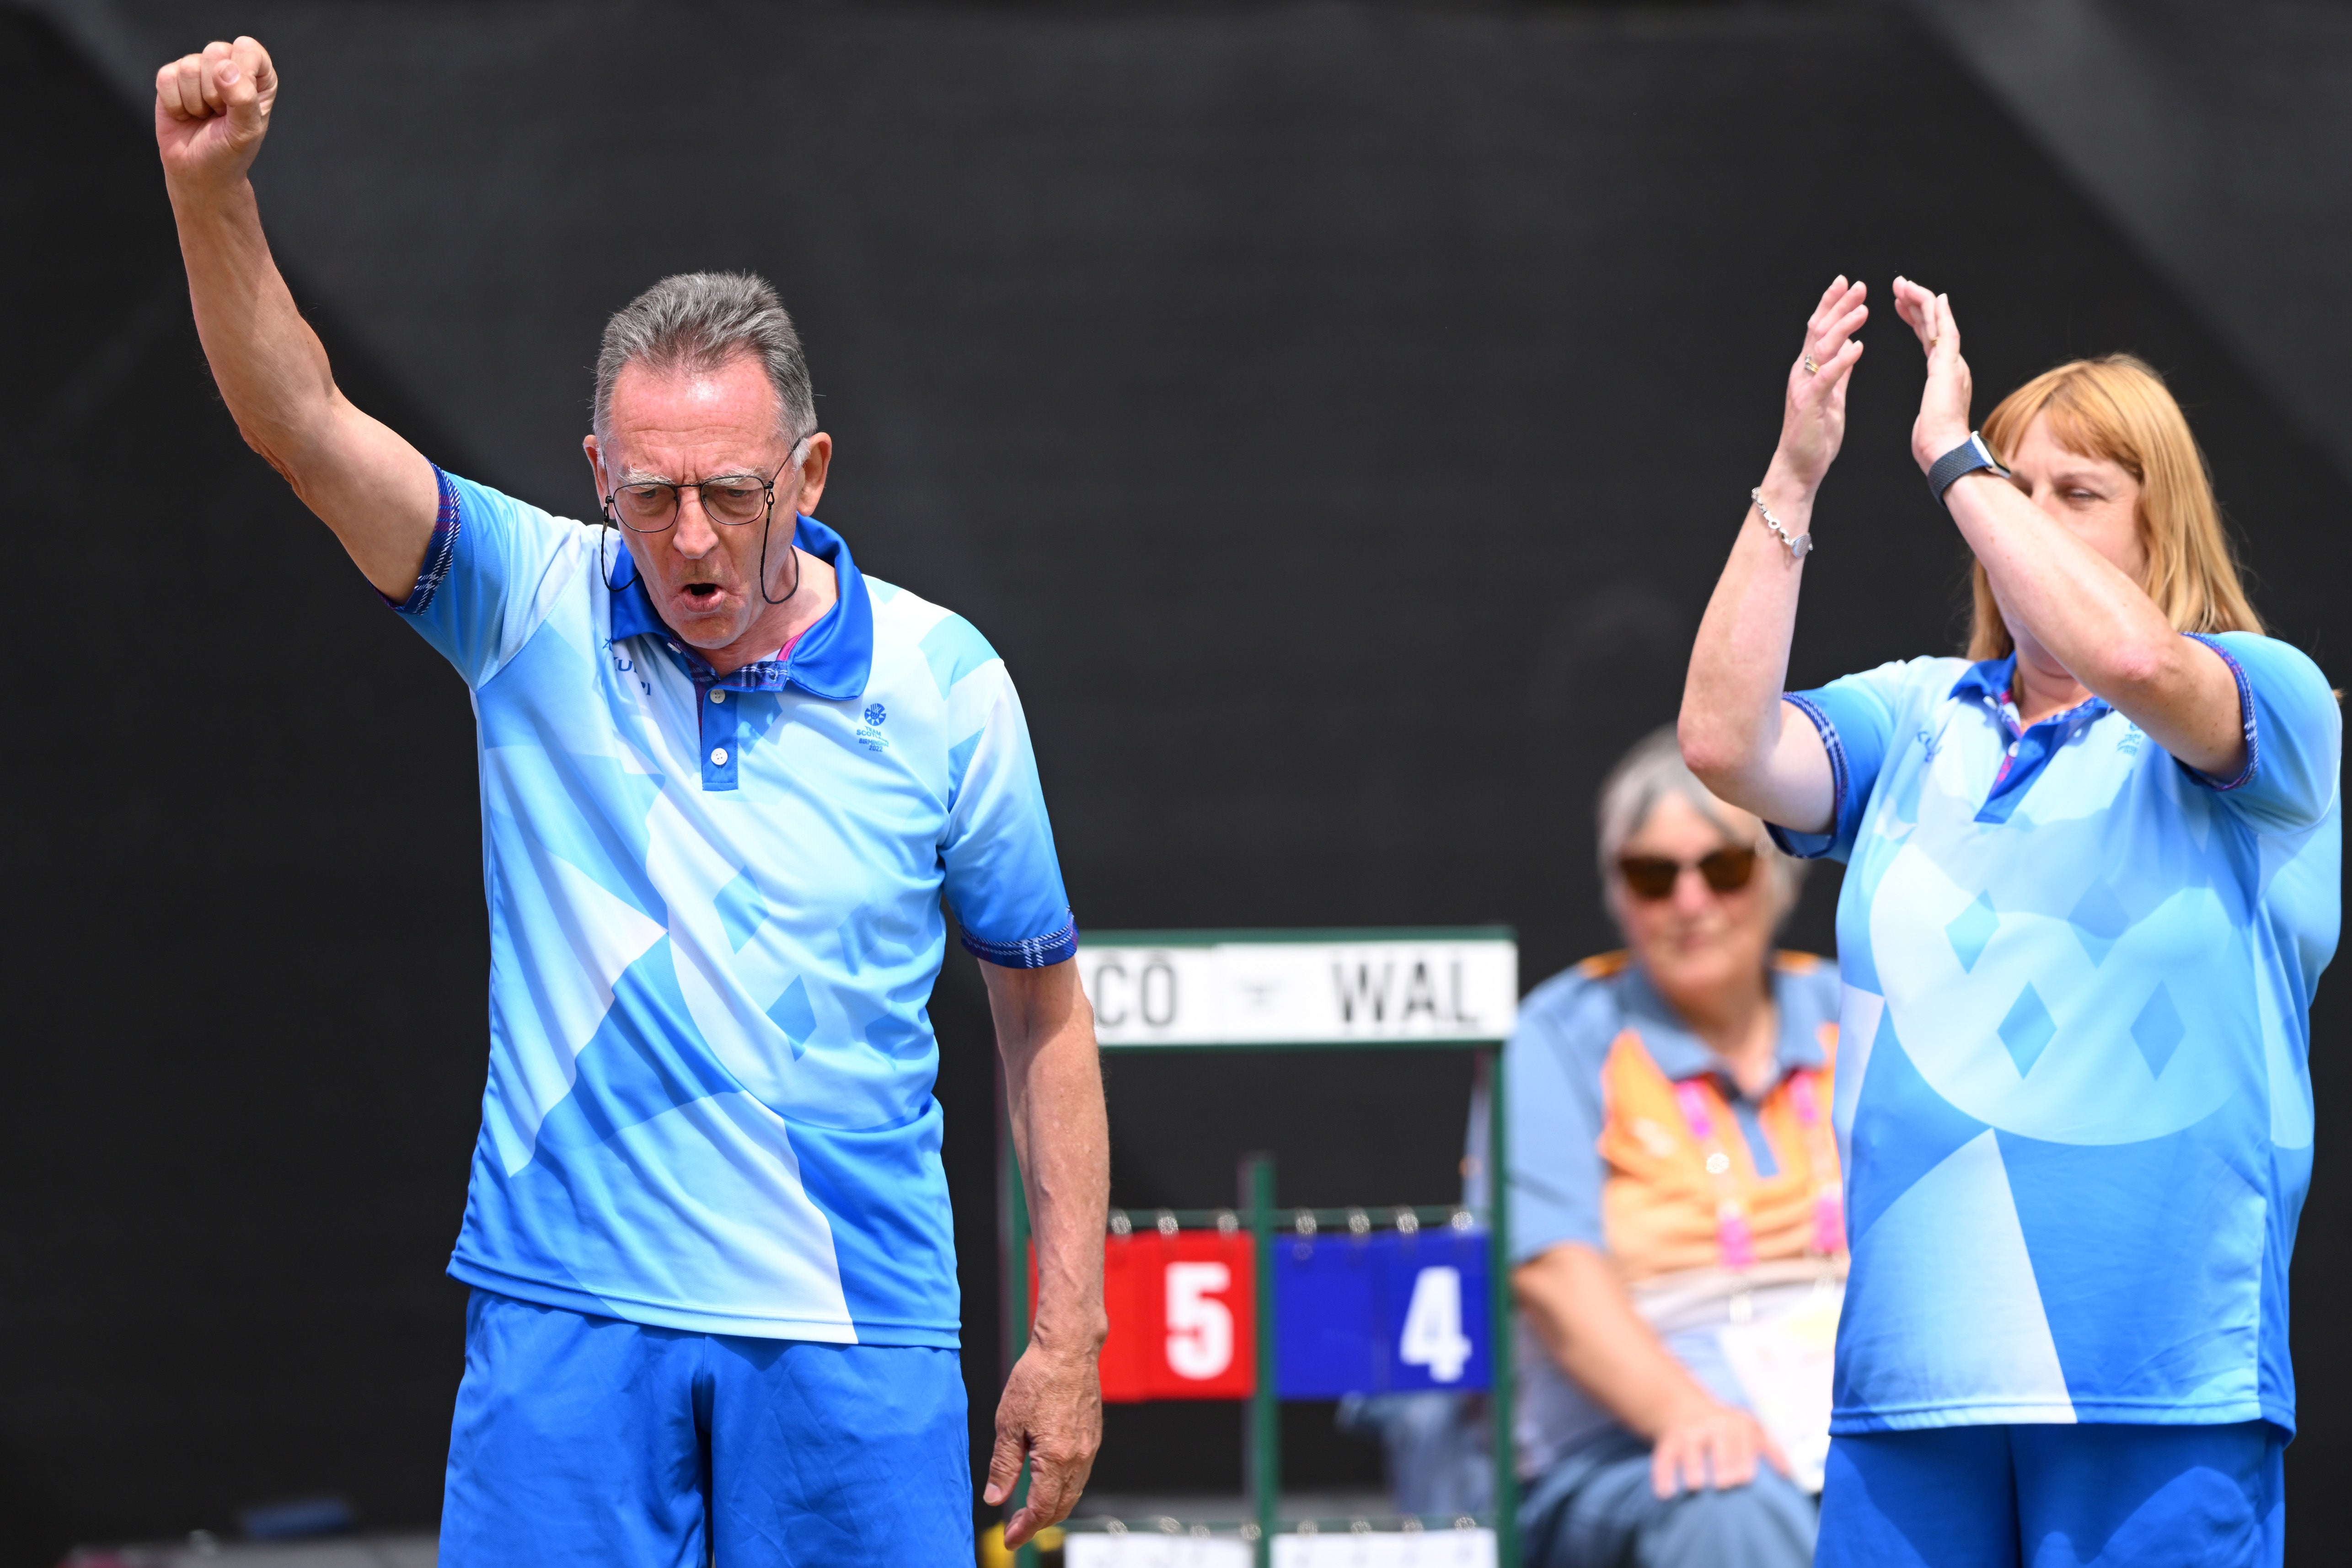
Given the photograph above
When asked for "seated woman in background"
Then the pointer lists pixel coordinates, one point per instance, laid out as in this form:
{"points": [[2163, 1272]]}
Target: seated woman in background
{"points": [[1675, 1199]]}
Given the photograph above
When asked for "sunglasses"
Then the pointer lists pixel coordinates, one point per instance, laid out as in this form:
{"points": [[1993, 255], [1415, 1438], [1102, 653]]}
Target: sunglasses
{"points": [[1653, 877]]}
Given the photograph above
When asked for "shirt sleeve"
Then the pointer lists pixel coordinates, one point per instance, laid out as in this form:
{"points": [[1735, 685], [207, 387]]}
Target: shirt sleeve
{"points": [[484, 584], [1856, 717], [2294, 727], [1002, 879], [1552, 1067]]}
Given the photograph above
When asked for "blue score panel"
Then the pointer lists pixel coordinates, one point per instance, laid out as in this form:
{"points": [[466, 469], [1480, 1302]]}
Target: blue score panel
{"points": [[1384, 1313]]}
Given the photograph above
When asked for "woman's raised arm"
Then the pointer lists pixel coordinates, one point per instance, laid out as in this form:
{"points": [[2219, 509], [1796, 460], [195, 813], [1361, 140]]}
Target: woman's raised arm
{"points": [[1745, 744]]}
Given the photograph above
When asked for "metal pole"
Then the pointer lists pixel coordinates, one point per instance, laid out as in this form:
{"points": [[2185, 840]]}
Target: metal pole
{"points": [[1261, 1446], [1498, 1311], [1012, 1285]]}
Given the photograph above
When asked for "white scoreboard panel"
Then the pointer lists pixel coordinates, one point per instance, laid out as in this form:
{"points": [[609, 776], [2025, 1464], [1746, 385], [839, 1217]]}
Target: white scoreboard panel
{"points": [[1177, 989], [1142, 1547]]}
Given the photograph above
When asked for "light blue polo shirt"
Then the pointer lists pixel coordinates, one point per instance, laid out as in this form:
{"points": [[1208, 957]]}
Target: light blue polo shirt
{"points": [[715, 923], [2077, 980]]}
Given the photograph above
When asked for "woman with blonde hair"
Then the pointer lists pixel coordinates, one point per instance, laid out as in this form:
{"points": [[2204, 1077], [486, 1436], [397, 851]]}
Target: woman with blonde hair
{"points": [[2093, 875]]}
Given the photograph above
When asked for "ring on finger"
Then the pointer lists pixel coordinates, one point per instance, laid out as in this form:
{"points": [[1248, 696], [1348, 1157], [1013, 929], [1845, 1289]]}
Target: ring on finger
{"points": [[1811, 369]]}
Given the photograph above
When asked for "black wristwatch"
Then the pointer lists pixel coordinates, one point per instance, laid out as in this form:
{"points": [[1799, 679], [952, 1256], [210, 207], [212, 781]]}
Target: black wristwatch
{"points": [[1966, 458]]}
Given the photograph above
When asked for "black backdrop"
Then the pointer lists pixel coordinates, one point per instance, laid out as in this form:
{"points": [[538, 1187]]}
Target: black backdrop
{"points": [[1334, 413]]}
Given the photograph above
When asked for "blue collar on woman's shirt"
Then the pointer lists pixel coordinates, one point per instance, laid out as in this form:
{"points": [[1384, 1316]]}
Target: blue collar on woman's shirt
{"points": [[1989, 684], [832, 658], [1680, 1054]]}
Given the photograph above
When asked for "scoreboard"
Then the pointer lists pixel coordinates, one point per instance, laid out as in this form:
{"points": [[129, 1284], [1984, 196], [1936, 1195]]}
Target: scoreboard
{"points": [[1384, 1312], [1261, 1305]]}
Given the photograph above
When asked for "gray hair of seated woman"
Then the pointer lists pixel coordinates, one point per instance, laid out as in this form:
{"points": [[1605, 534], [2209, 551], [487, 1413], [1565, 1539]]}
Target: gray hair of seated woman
{"points": [[1646, 775]]}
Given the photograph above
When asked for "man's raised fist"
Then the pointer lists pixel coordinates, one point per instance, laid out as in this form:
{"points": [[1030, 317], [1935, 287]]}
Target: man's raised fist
{"points": [[211, 110]]}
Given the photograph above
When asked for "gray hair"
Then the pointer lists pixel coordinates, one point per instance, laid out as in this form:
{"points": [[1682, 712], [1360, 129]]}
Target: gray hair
{"points": [[1646, 775], [698, 321]]}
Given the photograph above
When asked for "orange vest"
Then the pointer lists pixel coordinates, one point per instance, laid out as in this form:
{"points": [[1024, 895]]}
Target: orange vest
{"points": [[1662, 1209]]}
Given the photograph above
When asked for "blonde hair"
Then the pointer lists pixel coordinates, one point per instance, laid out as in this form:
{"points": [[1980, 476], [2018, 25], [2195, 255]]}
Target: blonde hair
{"points": [[2117, 408]]}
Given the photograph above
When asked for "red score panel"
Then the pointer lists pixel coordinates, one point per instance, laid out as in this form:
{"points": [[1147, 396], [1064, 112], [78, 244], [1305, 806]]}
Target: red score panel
{"points": [[1182, 1315]]}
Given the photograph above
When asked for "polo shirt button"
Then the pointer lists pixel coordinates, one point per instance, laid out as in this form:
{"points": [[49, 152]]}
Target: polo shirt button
{"points": [[2013, 748], [716, 696], [719, 757]]}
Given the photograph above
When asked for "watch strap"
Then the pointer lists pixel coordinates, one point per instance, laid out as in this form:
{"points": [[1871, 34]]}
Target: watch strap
{"points": [[1966, 458]]}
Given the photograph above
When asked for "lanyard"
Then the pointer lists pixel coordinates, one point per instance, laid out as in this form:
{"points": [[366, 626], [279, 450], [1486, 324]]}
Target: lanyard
{"points": [[1734, 1238]]}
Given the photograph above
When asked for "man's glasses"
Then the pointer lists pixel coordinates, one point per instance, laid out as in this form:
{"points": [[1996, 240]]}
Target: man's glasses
{"points": [[728, 500], [1653, 877]]}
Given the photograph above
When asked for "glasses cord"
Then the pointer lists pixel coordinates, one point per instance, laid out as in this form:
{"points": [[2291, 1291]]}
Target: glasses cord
{"points": [[603, 572], [764, 528]]}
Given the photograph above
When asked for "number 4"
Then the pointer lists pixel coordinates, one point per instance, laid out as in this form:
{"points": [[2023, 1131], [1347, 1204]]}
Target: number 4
{"points": [[1432, 1326]]}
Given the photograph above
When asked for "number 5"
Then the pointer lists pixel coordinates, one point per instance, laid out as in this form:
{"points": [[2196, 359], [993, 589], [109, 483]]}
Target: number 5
{"points": [[1200, 1328]]}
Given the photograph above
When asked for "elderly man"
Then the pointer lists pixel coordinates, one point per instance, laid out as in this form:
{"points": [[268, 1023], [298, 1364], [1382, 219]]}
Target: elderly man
{"points": [[726, 780]]}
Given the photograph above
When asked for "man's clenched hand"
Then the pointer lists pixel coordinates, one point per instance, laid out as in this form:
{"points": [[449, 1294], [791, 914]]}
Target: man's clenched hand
{"points": [[211, 110]]}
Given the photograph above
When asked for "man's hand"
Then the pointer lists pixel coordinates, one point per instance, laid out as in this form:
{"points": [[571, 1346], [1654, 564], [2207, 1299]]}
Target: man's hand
{"points": [[211, 110], [1051, 1415], [1943, 421], [1711, 1445]]}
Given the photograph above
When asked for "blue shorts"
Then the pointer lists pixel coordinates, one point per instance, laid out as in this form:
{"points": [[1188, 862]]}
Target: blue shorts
{"points": [[587, 1441], [2057, 1497]]}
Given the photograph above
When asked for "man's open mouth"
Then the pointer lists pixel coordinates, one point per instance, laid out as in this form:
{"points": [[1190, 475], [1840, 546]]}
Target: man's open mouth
{"points": [[701, 593]]}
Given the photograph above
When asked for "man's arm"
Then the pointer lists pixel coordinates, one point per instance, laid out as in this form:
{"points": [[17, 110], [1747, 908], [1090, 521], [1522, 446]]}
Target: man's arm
{"points": [[1052, 1409], [1578, 1309], [373, 489]]}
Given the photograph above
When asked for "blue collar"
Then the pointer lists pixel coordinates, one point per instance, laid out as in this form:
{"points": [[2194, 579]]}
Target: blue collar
{"points": [[1681, 1054], [832, 658], [1987, 685], [1995, 678]]}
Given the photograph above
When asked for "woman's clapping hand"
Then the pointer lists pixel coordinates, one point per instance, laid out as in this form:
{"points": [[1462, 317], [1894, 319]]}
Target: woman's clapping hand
{"points": [[1812, 424], [1943, 421]]}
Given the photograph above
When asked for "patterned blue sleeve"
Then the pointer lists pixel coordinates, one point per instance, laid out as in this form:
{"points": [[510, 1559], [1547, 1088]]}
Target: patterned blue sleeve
{"points": [[1855, 716], [482, 589], [1552, 1067], [1003, 881], [2294, 727]]}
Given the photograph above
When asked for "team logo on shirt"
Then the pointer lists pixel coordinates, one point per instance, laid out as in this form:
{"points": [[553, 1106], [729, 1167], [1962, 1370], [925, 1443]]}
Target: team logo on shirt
{"points": [[869, 733], [875, 713], [624, 665]]}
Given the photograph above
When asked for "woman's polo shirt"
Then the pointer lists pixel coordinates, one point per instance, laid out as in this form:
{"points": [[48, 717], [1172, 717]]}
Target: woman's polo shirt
{"points": [[2078, 979]]}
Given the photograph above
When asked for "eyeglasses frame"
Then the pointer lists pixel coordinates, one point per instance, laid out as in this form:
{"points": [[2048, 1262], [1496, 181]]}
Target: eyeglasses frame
{"points": [[677, 497]]}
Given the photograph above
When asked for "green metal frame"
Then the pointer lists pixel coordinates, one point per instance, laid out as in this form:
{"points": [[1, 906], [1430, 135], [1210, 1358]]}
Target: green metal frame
{"points": [[1262, 1429]]}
